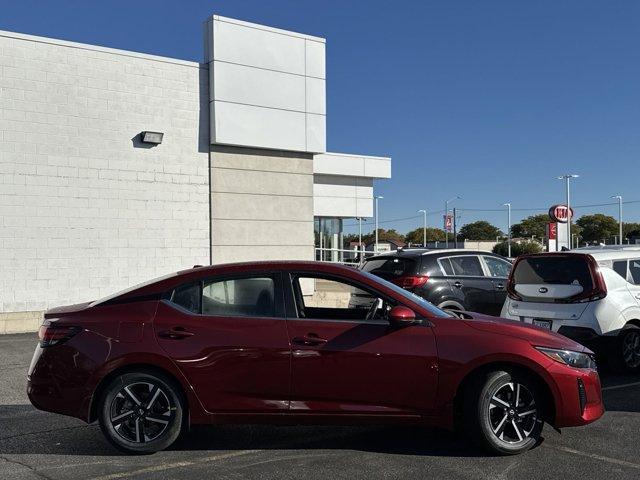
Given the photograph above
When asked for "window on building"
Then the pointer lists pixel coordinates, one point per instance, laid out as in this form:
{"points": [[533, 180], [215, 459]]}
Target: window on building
{"points": [[329, 239]]}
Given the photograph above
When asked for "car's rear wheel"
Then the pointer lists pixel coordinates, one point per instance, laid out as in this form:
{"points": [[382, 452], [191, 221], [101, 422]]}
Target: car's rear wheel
{"points": [[629, 349], [141, 413], [503, 412]]}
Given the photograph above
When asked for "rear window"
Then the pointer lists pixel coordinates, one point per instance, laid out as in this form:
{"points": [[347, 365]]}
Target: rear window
{"points": [[390, 267], [554, 270]]}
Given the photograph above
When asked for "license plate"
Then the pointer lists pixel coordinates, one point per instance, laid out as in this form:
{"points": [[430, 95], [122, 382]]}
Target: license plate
{"points": [[542, 323]]}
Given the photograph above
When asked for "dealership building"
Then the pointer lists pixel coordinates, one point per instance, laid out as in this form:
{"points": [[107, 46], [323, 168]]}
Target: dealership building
{"points": [[233, 165]]}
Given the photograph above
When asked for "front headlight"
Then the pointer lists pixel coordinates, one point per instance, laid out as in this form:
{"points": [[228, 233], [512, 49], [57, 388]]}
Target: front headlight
{"points": [[569, 357]]}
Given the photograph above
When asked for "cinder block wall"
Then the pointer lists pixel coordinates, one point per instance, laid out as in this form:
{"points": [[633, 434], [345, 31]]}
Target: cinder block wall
{"points": [[261, 205], [85, 209]]}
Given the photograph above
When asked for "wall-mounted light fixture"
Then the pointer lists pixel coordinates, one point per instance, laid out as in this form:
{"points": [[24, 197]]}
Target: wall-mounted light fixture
{"points": [[153, 138]]}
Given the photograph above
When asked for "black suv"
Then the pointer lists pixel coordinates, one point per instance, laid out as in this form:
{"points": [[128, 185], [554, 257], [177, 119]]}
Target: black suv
{"points": [[451, 279]]}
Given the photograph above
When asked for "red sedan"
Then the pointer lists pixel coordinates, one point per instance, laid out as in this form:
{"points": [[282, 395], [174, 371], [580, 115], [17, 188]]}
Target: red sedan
{"points": [[278, 342]]}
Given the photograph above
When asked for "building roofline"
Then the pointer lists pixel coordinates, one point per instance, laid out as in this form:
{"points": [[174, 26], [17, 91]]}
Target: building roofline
{"points": [[266, 28], [97, 48]]}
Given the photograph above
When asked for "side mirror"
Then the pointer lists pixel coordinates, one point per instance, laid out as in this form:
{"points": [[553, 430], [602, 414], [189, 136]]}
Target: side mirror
{"points": [[402, 316]]}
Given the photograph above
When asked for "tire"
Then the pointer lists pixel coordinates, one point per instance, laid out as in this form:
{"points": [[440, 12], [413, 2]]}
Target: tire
{"points": [[141, 413], [628, 349], [493, 420]]}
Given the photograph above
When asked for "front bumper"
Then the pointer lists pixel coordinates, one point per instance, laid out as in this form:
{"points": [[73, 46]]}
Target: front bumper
{"points": [[579, 396]]}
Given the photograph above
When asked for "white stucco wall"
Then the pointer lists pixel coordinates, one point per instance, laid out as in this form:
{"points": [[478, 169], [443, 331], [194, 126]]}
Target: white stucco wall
{"points": [[84, 209]]}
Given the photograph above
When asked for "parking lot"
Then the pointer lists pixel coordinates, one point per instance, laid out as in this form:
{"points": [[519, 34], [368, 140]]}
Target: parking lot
{"points": [[37, 445]]}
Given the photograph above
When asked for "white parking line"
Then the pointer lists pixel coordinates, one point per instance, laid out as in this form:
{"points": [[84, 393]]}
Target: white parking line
{"points": [[624, 385], [167, 466], [595, 456]]}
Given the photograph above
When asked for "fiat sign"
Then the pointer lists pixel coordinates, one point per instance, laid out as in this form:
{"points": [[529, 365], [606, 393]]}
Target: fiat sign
{"points": [[558, 213]]}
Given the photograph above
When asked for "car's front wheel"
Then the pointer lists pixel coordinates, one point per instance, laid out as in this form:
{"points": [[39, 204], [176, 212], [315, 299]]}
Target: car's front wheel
{"points": [[141, 413], [503, 412]]}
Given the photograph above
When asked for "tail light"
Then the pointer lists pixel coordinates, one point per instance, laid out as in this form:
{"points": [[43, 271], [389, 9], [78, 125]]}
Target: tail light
{"points": [[413, 281], [599, 289], [51, 334], [511, 291]]}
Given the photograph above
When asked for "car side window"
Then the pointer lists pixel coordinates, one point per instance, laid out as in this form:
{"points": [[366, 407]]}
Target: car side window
{"points": [[248, 297], [445, 263], [620, 267], [497, 267], [634, 271], [467, 265], [332, 299], [187, 296]]}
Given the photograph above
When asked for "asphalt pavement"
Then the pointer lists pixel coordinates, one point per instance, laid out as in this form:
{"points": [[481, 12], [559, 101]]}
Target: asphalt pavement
{"points": [[39, 445]]}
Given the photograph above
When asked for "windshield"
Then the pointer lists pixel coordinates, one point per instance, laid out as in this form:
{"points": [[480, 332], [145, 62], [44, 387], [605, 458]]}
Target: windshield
{"points": [[131, 289], [553, 270], [435, 311], [390, 267]]}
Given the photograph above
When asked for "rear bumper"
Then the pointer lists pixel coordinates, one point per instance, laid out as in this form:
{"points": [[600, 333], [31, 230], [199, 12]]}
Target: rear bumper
{"points": [[54, 387], [579, 399]]}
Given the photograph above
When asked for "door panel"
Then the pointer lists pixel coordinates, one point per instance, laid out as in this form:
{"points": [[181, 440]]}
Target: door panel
{"points": [[469, 279], [234, 363], [499, 270], [342, 365]]}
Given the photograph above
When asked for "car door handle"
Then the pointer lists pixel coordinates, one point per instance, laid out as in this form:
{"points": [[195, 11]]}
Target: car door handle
{"points": [[176, 333], [500, 286], [310, 339], [458, 284]]}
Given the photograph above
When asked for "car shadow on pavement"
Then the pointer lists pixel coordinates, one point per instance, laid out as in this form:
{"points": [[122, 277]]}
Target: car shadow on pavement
{"points": [[25, 430]]}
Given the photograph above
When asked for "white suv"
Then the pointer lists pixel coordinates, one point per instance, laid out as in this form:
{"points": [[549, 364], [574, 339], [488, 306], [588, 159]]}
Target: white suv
{"points": [[591, 295]]}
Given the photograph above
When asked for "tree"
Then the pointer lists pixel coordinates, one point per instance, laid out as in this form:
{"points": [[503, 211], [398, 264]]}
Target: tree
{"points": [[517, 248], [480, 230], [533, 225], [630, 230], [371, 237], [417, 235], [597, 227]]}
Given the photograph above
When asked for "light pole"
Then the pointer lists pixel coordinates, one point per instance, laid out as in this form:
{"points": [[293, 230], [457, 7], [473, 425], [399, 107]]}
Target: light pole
{"points": [[508, 205], [567, 177], [446, 214], [377, 197], [424, 228], [619, 197]]}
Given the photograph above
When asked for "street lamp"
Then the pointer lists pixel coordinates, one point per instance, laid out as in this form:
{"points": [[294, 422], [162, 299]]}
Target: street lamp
{"points": [[446, 214], [567, 177], [424, 228], [377, 197], [508, 205], [619, 197]]}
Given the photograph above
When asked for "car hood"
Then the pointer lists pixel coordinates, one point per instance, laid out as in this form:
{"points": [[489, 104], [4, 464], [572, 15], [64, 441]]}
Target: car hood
{"points": [[536, 335]]}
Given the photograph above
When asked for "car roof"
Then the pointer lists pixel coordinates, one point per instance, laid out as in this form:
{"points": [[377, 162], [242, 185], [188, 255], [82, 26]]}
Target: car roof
{"points": [[416, 252], [172, 280], [608, 252]]}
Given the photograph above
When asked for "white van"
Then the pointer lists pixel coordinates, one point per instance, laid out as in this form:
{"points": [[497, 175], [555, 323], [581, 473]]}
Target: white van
{"points": [[591, 295]]}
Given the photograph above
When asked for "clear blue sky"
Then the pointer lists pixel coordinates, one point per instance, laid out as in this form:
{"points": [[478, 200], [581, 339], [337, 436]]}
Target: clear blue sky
{"points": [[489, 99]]}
